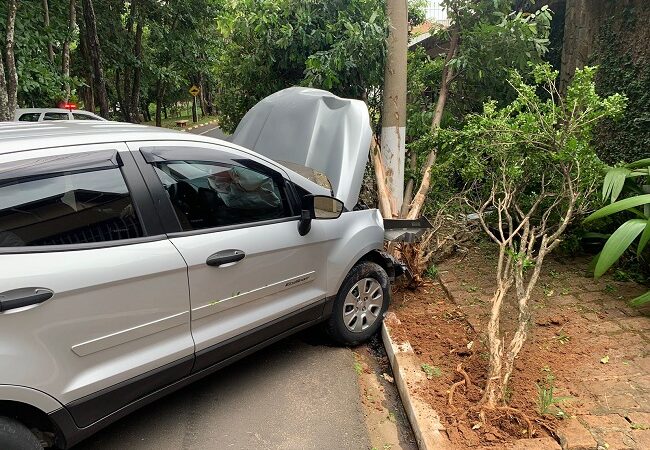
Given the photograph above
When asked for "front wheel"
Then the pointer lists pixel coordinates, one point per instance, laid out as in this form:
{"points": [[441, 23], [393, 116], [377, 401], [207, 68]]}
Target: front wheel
{"points": [[360, 304], [16, 436]]}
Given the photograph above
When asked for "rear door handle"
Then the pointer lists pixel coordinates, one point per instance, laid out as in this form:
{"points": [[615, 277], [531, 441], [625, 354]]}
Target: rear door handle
{"points": [[18, 298], [225, 257]]}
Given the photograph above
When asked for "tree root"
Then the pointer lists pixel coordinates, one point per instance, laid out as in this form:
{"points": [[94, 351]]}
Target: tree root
{"points": [[465, 381], [516, 412]]}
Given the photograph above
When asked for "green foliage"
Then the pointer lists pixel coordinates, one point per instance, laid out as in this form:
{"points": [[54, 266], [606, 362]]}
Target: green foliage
{"points": [[547, 403], [40, 80], [627, 180], [416, 12], [432, 271], [494, 40], [537, 149], [623, 67], [268, 45], [431, 371]]}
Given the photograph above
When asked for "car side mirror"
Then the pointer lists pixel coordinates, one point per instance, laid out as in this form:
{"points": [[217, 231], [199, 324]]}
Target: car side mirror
{"points": [[318, 207]]}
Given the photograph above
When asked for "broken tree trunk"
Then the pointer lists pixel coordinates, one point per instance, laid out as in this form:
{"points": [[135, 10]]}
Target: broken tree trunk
{"points": [[447, 76], [383, 190]]}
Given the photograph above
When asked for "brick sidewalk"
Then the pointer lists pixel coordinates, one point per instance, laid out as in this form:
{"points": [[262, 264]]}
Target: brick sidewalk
{"points": [[606, 346]]}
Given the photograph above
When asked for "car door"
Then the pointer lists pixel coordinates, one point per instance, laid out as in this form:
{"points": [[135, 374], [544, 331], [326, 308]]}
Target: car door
{"points": [[104, 317], [251, 275]]}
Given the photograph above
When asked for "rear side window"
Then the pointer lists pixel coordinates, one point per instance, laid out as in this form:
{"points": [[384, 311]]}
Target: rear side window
{"points": [[80, 116], [29, 117], [207, 194], [56, 116], [67, 208]]}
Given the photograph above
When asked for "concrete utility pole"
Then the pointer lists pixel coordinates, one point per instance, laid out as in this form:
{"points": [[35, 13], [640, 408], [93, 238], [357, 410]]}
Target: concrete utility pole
{"points": [[394, 108]]}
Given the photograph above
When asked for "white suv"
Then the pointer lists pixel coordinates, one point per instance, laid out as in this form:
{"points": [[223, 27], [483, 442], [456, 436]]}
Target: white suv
{"points": [[136, 260], [47, 114]]}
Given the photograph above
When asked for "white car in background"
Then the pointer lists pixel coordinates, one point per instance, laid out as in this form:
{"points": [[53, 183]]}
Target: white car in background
{"points": [[45, 114]]}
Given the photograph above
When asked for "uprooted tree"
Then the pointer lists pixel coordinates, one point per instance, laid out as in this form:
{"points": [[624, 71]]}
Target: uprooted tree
{"points": [[531, 169]]}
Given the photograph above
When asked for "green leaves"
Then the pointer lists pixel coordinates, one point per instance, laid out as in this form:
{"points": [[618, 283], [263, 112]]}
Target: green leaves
{"points": [[619, 180], [619, 206], [618, 242], [614, 181], [641, 299]]}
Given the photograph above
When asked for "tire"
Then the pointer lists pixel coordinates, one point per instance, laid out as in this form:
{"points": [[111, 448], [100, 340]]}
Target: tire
{"points": [[16, 436], [355, 316]]}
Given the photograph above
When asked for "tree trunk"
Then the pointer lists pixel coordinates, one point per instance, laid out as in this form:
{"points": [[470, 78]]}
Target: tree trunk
{"points": [[10, 60], [4, 100], [447, 76], [87, 91], [208, 98], [410, 185], [393, 115], [137, 71], [118, 93], [204, 104], [94, 52], [46, 23], [160, 93], [383, 193], [5, 114], [72, 19]]}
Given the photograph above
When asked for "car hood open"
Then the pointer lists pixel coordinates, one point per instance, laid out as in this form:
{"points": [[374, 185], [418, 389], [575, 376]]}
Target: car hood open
{"points": [[313, 128]]}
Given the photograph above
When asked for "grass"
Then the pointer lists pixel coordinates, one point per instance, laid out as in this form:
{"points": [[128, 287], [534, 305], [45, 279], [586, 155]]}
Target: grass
{"points": [[547, 403], [431, 371], [170, 122]]}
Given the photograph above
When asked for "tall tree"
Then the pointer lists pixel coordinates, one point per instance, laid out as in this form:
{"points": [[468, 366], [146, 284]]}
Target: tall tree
{"points": [[9, 80], [393, 132], [72, 19], [94, 54], [46, 23], [137, 71]]}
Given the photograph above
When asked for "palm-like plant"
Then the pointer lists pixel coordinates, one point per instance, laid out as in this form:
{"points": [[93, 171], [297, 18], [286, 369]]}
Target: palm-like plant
{"points": [[632, 180]]}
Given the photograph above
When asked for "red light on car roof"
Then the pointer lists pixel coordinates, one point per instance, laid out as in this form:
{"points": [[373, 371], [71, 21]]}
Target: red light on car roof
{"points": [[70, 106]]}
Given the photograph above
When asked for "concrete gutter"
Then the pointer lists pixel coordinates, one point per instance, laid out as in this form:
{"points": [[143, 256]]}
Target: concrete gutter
{"points": [[429, 431]]}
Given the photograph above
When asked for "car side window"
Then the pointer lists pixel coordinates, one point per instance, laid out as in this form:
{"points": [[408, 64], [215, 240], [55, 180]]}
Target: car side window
{"points": [[81, 116], [208, 194], [29, 117], [66, 208], [56, 116]]}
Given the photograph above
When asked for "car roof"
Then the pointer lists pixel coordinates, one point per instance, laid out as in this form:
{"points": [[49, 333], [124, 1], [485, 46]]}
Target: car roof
{"points": [[40, 110], [24, 136], [21, 136]]}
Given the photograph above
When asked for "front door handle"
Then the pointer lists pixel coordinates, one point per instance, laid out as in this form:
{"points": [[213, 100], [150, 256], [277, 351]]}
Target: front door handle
{"points": [[18, 298], [225, 257]]}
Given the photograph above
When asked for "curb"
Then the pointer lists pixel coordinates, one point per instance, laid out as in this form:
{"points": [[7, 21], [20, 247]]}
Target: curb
{"points": [[429, 431], [197, 126]]}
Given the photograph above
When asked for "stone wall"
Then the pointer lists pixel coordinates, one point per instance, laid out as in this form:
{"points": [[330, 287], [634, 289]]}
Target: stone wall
{"points": [[583, 21]]}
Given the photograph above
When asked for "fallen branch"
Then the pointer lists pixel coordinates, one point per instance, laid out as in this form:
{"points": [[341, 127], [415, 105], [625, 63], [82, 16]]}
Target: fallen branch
{"points": [[383, 191]]}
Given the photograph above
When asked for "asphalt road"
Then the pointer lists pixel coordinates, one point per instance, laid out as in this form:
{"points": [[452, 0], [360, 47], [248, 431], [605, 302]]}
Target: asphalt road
{"points": [[296, 394], [211, 131]]}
